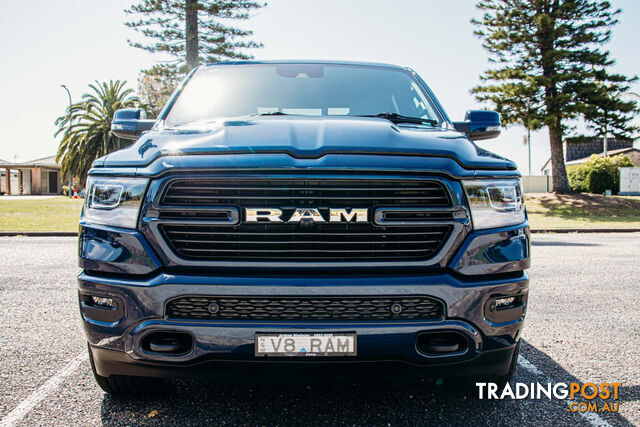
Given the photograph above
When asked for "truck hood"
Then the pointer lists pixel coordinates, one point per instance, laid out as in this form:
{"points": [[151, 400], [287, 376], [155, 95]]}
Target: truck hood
{"points": [[306, 137]]}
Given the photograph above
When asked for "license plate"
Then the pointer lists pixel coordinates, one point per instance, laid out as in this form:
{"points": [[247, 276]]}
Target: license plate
{"points": [[317, 344]]}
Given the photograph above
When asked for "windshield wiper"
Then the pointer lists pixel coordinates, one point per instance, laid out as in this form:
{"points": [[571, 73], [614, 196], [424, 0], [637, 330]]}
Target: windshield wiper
{"points": [[271, 113], [399, 118]]}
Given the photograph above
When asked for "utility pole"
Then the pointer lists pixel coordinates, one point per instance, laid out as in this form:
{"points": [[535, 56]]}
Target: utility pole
{"points": [[69, 113], [526, 140], [527, 124], [604, 140], [529, 147]]}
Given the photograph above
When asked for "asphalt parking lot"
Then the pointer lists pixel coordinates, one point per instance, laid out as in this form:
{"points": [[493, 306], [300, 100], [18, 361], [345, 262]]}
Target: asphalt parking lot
{"points": [[583, 325]]}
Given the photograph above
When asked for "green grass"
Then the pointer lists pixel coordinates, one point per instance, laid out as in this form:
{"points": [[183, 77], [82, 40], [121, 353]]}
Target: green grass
{"points": [[547, 210], [54, 214]]}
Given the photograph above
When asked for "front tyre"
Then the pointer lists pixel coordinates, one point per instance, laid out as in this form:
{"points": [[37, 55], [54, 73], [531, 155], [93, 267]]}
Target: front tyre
{"points": [[504, 379], [468, 384], [125, 385]]}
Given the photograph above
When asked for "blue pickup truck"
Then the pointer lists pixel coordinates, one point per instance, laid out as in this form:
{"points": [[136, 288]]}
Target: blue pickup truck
{"points": [[294, 216]]}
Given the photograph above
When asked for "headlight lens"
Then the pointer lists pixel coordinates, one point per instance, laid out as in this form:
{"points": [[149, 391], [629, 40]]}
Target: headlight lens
{"points": [[495, 203], [114, 201]]}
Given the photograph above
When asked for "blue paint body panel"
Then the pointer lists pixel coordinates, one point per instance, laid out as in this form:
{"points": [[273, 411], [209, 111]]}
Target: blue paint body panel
{"points": [[113, 250], [308, 137]]}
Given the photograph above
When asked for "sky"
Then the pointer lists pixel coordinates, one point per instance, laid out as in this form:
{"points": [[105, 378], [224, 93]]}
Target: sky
{"points": [[75, 42]]}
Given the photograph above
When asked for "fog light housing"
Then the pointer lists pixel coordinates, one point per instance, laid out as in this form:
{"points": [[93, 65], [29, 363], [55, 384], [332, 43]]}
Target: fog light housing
{"points": [[502, 308], [100, 309], [104, 302], [503, 303]]}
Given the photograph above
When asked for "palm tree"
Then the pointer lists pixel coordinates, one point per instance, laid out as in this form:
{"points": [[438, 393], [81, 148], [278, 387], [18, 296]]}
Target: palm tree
{"points": [[86, 127]]}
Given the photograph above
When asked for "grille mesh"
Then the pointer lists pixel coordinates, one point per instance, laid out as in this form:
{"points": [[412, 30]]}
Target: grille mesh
{"points": [[295, 308]]}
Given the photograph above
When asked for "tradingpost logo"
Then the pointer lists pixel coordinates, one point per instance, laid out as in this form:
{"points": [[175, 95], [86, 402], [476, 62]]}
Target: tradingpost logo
{"points": [[607, 392]]}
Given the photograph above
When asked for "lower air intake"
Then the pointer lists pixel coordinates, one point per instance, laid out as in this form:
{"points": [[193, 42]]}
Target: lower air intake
{"points": [[294, 308]]}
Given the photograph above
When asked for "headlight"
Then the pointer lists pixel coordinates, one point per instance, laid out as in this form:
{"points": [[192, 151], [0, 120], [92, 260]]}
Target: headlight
{"points": [[114, 201], [495, 203]]}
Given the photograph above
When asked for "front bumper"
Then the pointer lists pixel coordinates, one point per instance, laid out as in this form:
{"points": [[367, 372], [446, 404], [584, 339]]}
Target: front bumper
{"points": [[117, 345], [111, 362]]}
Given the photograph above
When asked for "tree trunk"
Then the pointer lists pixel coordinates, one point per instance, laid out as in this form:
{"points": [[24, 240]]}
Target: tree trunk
{"points": [[546, 42], [558, 170], [191, 31]]}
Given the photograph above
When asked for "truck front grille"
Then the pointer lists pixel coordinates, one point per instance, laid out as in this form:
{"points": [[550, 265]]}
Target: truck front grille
{"points": [[196, 231], [327, 242], [304, 308], [302, 192]]}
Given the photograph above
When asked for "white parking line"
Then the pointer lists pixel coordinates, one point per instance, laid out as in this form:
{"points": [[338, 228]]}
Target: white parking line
{"points": [[43, 391], [55, 381], [593, 418], [529, 366]]}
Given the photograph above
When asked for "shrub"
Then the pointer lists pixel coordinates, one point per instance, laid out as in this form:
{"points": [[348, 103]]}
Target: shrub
{"points": [[600, 180], [598, 174], [578, 179]]}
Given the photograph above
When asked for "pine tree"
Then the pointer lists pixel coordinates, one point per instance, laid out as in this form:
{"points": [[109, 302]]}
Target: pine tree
{"points": [[194, 31], [191, 32], [548, 55], [609, 97]]}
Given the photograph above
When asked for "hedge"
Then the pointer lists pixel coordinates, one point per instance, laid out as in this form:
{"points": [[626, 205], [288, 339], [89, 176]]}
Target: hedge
{"points": [[598, 174]]}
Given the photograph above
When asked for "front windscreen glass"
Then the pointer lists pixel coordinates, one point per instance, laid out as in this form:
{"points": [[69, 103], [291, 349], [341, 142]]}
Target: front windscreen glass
{"points": [[298, 89]]}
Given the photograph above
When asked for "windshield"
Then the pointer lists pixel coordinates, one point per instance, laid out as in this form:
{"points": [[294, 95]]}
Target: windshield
{"points": [[301, 89]]}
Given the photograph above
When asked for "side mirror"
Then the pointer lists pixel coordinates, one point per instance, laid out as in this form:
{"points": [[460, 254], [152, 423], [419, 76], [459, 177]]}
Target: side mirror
{"points": [[129, 123], [480, 124]]}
